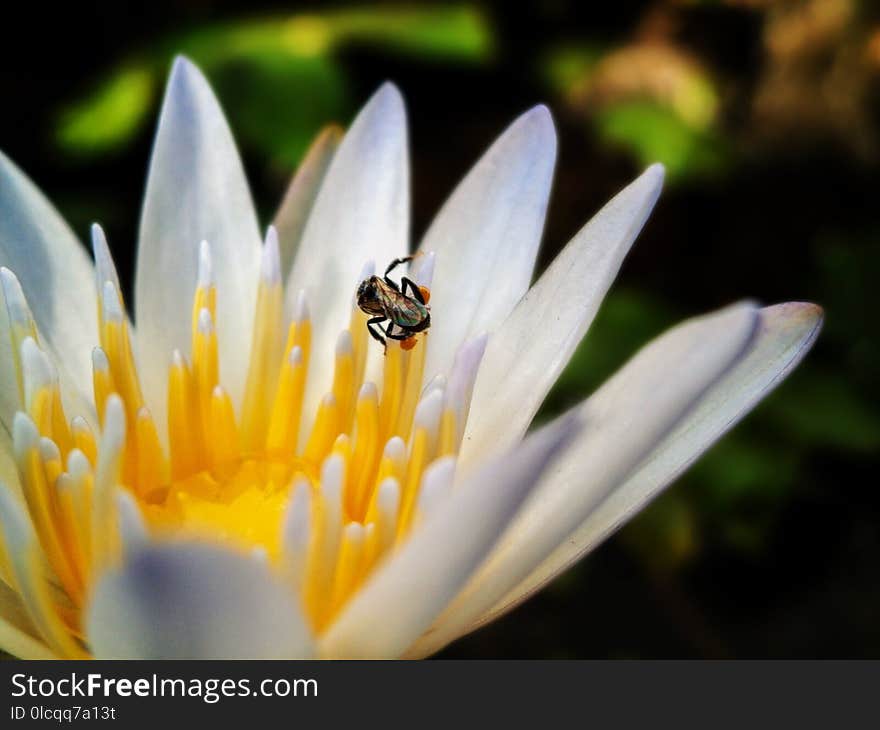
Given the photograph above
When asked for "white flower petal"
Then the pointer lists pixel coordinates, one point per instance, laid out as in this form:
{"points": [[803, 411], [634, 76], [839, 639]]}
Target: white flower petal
{"points": [[194, 601], [361, 214], [196, 190], [292, 215], [786, 333], [528, 352], [625, 420], [413, 587], [486, 236], [57, 279]]}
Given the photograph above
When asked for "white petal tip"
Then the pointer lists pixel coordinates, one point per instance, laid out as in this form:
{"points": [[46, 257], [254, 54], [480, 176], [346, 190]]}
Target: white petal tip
{"points": [[183, 68], [657, 171]]}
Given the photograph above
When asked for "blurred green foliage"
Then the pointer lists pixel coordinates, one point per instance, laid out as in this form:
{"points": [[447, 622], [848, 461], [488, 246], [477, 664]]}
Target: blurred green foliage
{"points": [[655, 104], [656, 133], [256, 64]]}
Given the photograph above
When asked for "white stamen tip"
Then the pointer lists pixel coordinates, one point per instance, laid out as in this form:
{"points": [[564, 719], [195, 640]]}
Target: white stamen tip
{"points": [[298, 518], [344, 345], [24, 433], [395, 449], [438, 382], [177, 359], [38, 371], [368, 391], [78, 464], [436, 484], [332, 475], [301, 311], [296, 356], [104, 267], [388, 498], [114, 424], [205, 324], [16, 304], [429, 409], [218, 393], [49, 450], [100, 362], [112, 302], [206, 271], [270, 264], [64, 483]]}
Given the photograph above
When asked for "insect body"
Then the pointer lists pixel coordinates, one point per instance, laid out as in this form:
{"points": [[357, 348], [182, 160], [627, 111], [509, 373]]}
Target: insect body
{"points": [[404, 307]]}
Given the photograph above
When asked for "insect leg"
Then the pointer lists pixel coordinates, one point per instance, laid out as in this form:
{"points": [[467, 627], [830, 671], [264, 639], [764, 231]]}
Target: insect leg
{"points": [[397, 262], [402, 335], [416, 292], [376, 321]]}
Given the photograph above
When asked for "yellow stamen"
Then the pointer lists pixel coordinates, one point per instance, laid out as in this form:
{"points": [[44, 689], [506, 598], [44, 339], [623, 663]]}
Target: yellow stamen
{"points": [[365, 453], [83, 438], [286, 412], [152, 467], [184, 421], [343, 380], [205, 369], [392, 391], [224, 439], [324, 431], [265, 350]]}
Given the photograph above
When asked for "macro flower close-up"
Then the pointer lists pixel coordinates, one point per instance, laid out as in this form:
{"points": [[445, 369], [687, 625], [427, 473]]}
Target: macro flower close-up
{"points": [[246, 461]]}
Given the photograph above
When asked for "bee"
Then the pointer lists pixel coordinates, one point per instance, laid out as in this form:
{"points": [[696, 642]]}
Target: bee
{"points": [[404, 307]]}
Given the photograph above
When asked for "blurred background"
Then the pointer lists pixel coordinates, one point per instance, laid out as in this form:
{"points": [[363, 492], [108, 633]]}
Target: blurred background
{"points": [[767, 116]]}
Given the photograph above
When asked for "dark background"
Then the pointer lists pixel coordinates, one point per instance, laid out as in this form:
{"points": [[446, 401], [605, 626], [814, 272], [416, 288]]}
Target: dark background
{"points": [[766, 114]]}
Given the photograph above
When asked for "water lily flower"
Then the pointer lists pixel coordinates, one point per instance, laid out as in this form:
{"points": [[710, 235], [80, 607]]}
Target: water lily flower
{"points": [[242, 471]]}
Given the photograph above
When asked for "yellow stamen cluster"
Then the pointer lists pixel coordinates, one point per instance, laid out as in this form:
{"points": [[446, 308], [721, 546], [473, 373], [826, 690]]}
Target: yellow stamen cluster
{"points": [[323, 497]]}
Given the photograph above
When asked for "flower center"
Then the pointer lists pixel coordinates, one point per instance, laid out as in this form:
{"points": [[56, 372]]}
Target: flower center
{"points": [[322, 497]]}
